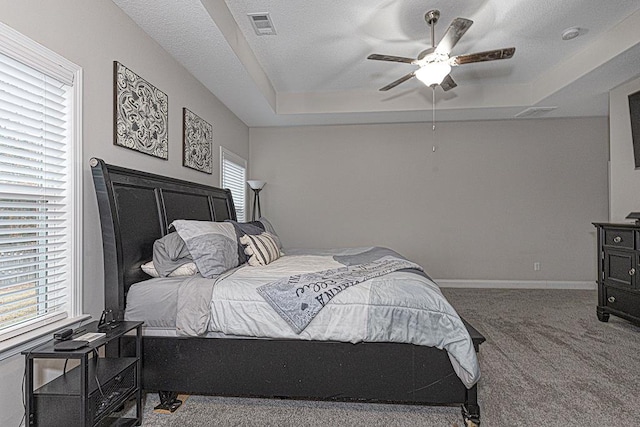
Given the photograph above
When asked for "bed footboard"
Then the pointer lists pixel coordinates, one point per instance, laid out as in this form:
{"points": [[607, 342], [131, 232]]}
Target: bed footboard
{"points": [[374, 372]]}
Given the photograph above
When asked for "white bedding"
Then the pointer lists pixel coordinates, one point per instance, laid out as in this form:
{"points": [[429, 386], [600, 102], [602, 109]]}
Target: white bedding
{"points": [[398, 307]]}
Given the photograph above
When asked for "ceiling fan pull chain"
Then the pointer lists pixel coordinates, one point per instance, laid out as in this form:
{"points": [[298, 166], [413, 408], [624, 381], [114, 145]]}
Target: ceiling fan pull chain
{"points": [[433, 109], [433, 117]]}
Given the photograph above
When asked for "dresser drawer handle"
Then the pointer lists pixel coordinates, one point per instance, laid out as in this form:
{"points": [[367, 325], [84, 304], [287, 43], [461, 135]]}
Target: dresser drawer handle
{"points": [[617, 239], [611, 299], [632, 272]]}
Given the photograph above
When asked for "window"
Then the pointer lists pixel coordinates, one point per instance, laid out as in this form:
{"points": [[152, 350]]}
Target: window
{"points": [[233, 175], [40, 209]]}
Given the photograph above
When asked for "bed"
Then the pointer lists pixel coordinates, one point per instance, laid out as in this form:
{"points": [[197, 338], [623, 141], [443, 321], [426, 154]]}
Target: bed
{"points": [[136, 209]]}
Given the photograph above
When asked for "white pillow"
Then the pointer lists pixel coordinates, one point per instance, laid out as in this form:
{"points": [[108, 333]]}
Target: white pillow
{"points": [[188, 269], [262, 248]]}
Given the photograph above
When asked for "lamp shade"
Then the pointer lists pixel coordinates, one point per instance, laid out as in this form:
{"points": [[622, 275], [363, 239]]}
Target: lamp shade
{"points": [[433, 73], [256, 184]]}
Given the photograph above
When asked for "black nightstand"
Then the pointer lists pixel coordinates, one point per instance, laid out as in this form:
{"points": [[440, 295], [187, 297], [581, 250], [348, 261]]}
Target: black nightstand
{"points": [[88, 394]]}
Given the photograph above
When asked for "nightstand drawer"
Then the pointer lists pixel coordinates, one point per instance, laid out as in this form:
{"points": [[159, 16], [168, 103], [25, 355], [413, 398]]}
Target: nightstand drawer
{"points": [[619, 268], [627, 302], [618, 237], [114, 392]]}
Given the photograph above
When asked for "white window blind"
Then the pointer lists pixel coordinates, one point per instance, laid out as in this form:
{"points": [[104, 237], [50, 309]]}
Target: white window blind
{"points": [[38, 198], [233, 175]]}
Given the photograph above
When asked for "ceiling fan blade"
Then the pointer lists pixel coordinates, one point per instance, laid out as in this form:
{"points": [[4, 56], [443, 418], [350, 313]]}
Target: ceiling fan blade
{"points": [[448, 83], [397, 82], [391, 58], [490, 55], [458, 27]]}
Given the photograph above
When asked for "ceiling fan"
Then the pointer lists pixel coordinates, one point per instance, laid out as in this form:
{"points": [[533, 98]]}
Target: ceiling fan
{"points": [[435, 63]]}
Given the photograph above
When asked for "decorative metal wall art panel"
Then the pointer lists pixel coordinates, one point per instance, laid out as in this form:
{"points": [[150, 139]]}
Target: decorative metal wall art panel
{"points": [[141, 114], [197, 143]]}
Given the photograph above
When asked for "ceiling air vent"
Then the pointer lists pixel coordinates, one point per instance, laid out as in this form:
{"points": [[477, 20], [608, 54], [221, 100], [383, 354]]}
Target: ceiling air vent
{"points": [[534, 112], [262, 24]]}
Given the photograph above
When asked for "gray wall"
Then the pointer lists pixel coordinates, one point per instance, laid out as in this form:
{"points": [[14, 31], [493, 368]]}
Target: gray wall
{"points": [[494, 197], [625, 179], [93, 34]]}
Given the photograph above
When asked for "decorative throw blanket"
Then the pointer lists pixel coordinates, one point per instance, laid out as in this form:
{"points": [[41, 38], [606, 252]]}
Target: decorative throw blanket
{"points": [[299, 298]]}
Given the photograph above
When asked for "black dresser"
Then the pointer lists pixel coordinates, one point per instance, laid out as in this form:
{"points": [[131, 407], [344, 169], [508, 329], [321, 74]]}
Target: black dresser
{"points": [[618, 270]]}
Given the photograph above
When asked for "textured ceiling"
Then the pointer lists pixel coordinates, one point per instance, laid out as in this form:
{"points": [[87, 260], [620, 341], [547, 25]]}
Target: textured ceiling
{"points": [[315, 71]]}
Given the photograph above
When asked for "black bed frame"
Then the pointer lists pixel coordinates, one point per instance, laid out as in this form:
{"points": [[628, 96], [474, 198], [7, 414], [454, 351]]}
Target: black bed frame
{"points": [[136, 208]]}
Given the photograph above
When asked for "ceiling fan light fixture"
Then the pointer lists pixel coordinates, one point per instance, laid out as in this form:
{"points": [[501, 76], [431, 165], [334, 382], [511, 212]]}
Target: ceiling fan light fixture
{"points": [[435, 62], [433, 73]]}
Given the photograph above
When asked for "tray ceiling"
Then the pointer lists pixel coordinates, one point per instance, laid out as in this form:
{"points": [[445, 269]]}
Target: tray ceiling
{"points": [[314, 69]]}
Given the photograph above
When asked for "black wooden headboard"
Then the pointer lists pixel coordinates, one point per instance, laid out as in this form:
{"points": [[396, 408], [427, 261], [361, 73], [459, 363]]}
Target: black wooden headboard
{"points": [[136, 209]]}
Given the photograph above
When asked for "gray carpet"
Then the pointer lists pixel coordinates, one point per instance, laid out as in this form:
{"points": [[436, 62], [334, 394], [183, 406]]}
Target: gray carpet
{"points": [[547, 361]]}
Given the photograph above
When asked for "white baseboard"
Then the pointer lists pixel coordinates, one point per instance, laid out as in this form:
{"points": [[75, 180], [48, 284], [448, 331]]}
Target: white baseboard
{"points": [[516, 284]]}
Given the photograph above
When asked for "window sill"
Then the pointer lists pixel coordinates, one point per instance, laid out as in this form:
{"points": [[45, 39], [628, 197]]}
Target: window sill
{"points": [[22, 342]]}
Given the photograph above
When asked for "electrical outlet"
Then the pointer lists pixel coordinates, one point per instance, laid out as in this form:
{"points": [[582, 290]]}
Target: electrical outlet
{"points": [[536, 266]]}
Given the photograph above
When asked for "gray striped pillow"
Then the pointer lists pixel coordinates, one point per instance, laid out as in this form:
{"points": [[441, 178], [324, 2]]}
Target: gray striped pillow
{"points": [[262, 248]]}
